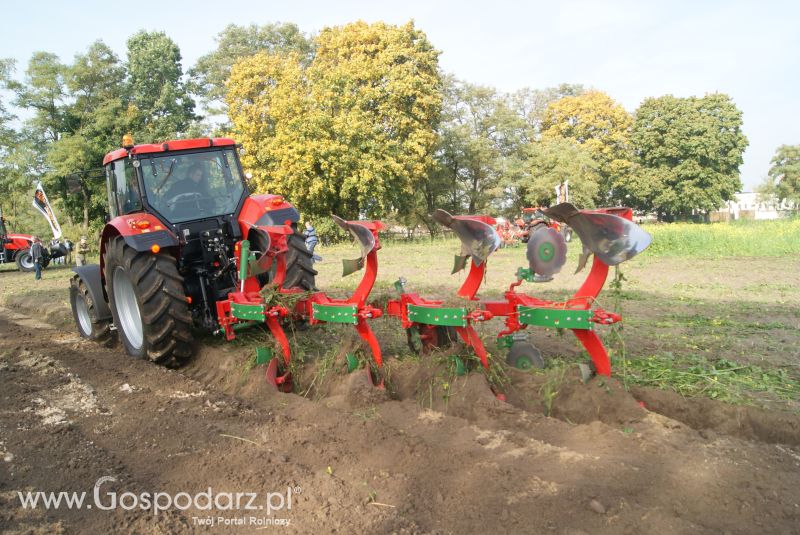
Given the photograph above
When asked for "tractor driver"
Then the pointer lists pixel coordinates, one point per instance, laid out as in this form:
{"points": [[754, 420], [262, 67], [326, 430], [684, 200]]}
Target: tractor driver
{"points": [[192, 192]]}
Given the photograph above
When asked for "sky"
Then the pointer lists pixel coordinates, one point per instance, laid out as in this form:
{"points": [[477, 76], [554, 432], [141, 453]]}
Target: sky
{"points": [[629, 49]]}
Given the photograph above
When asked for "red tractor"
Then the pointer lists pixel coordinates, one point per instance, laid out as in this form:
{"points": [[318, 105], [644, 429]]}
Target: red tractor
{"points": [[17, 248], [533, 219], [167, 253]]}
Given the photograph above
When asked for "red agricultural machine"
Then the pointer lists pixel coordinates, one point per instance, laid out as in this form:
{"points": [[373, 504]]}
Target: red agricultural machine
{"points": [[177, 211], [16, 248], [430, 324], [607, 233], [247, 306], [535, 218], [186, 245]]}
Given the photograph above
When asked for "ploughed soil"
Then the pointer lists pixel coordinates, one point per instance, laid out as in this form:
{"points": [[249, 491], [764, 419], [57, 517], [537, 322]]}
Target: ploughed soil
{"points": [[433, 452]]}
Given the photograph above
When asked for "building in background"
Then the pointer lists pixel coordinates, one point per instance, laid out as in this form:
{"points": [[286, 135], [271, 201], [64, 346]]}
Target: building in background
{"points": [[752, 205]]}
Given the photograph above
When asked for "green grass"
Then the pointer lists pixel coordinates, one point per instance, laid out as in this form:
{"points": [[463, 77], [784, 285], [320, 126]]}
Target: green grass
{"points": [[740, 238], [721, 379]]}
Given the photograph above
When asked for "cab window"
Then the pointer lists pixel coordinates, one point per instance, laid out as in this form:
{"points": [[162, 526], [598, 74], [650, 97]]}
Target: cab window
{"points": [[127, 190]]}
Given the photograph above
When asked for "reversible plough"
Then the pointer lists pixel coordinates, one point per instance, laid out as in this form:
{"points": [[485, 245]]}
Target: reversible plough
{"points": [[248, 306], [607, 233]]}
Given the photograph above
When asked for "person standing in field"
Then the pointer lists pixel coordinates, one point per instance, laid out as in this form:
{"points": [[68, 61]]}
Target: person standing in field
{"points": [[83, 250], [37, 255], [68, 246], [311, 240]]}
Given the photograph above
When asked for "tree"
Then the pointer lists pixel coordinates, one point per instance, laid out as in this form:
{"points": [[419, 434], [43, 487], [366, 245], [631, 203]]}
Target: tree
{"points": [[351, 133], [75, 157], [531, 105], [161, 107], [44, 91], [480, 150], [8, 137], [234, 43], [783, 180], [468, 151], [551, 162], [96, 84], [602, 126], [689, 151]]}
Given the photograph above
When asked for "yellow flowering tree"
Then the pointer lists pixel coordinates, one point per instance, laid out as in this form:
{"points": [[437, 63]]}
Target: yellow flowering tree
{"points": [[601, 125], [350, 133]]}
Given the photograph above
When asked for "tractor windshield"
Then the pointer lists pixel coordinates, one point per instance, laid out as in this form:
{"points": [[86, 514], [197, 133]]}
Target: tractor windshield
{"points": [[183, 187]]}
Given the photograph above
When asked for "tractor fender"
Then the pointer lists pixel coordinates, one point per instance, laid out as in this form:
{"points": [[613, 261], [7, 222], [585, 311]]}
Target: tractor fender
{"points": [[90, 275], [136, 235], [18, 242], [145, 242], [266, 210]]}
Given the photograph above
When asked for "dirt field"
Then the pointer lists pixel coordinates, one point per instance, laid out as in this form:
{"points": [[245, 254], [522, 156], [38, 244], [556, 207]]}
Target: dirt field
{"points": [[434, 453]]}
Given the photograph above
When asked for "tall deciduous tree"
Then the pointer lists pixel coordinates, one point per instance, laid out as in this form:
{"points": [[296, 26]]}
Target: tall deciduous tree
{"points": [[44, 92], [689, 151], [531, 105], [234, 43], [481, 147], [783, 181], [602, 126], [161, 107], [352, 133], [96, 85], [551, 162], [8, 137]]}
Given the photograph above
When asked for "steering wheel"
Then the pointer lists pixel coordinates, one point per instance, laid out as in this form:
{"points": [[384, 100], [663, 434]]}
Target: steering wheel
{"points": [[183, 197], [193, 197]]}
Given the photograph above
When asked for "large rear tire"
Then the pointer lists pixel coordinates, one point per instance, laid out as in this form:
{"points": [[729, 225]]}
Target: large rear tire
{"points": [[300, 272], [83, 311], [148, 303], [24, 260]]}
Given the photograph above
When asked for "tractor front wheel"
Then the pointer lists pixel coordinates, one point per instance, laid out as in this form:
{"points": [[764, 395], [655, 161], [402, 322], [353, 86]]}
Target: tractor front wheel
{"points": [[83, 310], [148, 303]]}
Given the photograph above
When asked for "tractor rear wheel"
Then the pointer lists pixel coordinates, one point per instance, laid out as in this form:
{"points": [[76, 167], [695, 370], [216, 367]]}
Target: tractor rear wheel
{"points": [[148, 303], [83, 310], [300, 272], [24, 260]]}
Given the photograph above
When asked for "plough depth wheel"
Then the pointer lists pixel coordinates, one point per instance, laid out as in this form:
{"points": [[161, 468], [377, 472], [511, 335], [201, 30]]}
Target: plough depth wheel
{"points": [[524, 356]]}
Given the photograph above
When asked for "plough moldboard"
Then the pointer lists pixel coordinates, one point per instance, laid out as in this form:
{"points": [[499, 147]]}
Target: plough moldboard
{"points": [[609, 234]]}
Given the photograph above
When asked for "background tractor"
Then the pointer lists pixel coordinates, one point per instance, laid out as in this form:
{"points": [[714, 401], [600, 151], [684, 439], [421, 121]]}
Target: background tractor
{"points": [[533, 219], [176, 211], [17, 248]]}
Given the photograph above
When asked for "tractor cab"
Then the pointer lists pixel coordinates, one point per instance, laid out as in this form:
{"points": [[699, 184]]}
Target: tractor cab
{"points": [[178, 182], [531, 214]]}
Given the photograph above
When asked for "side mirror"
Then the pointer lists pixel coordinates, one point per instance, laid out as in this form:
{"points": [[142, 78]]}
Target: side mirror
{"points": [[73, 184], [106, 218]]}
